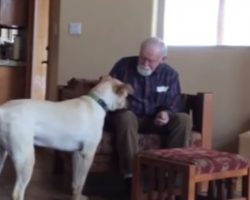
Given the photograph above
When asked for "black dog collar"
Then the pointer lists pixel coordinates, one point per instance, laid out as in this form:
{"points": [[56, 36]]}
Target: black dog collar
{"points": [[99, 101]]}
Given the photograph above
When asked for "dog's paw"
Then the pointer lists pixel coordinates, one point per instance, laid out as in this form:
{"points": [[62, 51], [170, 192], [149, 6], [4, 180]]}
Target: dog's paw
{"points": [[80, 197]]}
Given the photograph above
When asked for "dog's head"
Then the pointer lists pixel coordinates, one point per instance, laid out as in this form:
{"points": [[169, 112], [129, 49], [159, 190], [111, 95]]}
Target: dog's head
{"points": [[113, 92]]}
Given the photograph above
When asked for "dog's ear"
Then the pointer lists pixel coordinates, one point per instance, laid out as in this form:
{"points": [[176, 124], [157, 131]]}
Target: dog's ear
{"points": [[105, 78], [129, 88], [120, 89]]}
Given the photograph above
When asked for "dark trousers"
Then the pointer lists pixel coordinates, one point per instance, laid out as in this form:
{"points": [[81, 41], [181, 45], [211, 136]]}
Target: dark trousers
{"points": [[126, 126]]}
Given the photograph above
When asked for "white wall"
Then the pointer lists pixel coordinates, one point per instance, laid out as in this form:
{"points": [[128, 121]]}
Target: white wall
{"points": [[225, 72]]}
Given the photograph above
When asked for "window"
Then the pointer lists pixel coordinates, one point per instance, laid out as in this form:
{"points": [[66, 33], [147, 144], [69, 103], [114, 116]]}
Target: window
{"points": [[207, 22]]}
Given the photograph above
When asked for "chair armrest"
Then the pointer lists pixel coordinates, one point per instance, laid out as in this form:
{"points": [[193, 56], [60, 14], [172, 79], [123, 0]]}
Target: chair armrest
{"points": [[200, 107], [207, 120]]}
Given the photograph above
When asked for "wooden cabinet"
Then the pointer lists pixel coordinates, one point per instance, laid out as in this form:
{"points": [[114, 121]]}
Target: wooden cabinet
{"points": [[13, 13], [27, 80], [12, 83]]}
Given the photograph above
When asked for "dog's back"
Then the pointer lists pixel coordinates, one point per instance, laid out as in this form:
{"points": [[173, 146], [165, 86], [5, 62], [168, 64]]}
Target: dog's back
{"points": [[48, 124]]}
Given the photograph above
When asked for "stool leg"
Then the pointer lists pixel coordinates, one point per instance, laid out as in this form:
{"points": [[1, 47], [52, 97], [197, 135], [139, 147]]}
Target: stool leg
{"points": [[246, 186], [136, 182], [189, 188]]}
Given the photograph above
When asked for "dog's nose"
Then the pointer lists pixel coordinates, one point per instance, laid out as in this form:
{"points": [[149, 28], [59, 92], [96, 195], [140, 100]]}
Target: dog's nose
{"points": [[126, 104]]}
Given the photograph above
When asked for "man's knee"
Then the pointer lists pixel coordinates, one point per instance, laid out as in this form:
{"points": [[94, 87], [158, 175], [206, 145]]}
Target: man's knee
{"points": [[184, 123], [179, 130], [124, 118], [183, 120]]}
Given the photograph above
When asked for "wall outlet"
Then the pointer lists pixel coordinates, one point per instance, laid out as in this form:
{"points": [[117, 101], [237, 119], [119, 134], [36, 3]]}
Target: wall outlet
{"points": [[75, 28]]}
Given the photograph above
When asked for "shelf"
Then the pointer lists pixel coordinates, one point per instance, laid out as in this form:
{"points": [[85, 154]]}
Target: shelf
{"points": [[11, 63]]}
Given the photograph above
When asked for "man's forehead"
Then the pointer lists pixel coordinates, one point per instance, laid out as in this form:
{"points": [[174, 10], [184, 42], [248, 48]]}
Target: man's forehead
{"points": [[150, 51]]}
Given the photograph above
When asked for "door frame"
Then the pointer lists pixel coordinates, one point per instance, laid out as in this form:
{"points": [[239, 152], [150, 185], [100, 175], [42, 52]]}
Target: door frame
{"points": [[53, 54], [53, 48]]}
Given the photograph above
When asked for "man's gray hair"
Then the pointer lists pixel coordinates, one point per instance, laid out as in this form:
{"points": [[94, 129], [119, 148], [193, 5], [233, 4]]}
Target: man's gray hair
{"points": [[156, 42]]}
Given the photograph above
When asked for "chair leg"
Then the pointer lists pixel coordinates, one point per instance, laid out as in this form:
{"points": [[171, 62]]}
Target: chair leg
{"points": [[136, 181], [151, 188], [221, 191], [171, 185], [246, 186], [211, 194], [231, 187], [161, 183]]}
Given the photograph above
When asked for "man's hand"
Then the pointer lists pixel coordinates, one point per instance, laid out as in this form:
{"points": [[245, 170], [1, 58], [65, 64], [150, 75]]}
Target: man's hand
{"points": [[161, 118]]}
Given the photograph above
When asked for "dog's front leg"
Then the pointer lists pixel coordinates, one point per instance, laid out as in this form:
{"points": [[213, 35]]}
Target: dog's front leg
{"points": [[81, 165]]}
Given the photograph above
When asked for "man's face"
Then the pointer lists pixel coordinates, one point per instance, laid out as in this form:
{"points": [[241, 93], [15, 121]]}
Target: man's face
{"points": [[150, 57]]}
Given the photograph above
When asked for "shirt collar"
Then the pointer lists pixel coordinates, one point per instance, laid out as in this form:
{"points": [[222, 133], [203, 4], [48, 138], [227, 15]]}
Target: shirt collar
{"points": [[158, 69]]}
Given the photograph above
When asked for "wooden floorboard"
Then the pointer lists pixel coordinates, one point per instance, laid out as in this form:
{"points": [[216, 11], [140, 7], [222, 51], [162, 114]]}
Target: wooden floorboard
{"points": [[45, 185]]}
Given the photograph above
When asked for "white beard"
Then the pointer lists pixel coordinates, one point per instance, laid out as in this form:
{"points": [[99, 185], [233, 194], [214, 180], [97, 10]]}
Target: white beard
{"points": [[144, 70]]}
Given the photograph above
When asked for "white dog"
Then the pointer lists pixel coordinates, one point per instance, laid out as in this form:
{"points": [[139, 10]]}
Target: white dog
{"points": [[74, 125]]}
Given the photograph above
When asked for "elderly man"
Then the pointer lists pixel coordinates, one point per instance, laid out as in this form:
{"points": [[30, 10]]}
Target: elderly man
{"points": [[154, 106]]}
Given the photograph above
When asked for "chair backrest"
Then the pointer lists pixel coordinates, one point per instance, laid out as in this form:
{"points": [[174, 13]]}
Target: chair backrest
{"points": [[75, 88], [199, 106]]}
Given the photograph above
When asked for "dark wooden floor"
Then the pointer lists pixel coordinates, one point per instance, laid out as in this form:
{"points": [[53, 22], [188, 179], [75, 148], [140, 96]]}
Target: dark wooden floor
{"points": [[47, 186]]}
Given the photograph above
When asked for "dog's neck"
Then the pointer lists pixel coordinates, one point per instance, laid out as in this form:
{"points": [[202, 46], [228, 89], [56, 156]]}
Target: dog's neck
{"points": [[99, 101]]}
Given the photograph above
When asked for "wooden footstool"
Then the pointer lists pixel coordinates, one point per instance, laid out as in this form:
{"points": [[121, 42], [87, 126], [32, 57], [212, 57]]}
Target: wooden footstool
{"points": [[165, 167]]}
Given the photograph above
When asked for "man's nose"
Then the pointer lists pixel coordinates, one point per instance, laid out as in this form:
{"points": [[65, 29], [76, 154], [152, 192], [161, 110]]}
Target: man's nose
{"points": [[145, 63]]}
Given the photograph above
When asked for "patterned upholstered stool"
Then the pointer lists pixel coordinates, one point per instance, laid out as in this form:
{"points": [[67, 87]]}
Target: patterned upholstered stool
{"points": [[192, 165]]}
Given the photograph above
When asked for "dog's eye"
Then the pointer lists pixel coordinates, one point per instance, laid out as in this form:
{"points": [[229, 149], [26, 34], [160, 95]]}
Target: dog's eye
{"points": [[124, 88]]}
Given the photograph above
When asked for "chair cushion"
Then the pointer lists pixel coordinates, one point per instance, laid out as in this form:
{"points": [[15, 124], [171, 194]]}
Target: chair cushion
{"points": [[206, 161], [146, 141]]}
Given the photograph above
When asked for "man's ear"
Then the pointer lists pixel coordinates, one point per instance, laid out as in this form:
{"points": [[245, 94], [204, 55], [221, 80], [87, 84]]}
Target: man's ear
{"points": [[120, 89], [164, 58]]}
